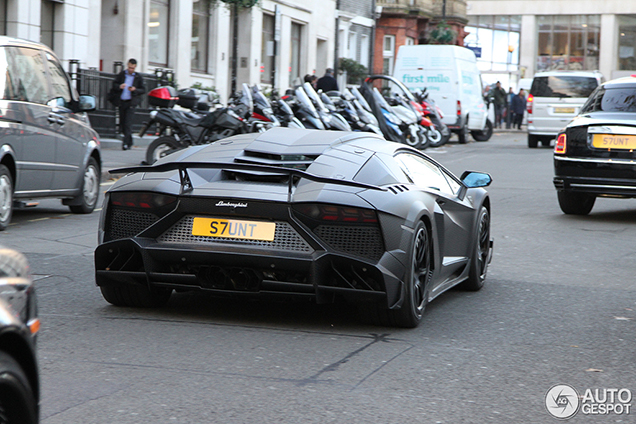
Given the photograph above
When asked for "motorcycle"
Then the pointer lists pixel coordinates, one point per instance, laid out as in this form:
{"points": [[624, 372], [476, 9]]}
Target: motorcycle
{"points": [[328, 115], [439, 134], [284, 113], [179, 129], [263, 117], [303, 109], [402, 128], [345, 104]]}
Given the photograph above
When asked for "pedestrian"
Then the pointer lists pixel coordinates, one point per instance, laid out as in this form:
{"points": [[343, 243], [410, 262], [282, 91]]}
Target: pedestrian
{"points": [[327, 82], [498, 98], [311, 79], [128, 87], [509, 112], [518, 108]]}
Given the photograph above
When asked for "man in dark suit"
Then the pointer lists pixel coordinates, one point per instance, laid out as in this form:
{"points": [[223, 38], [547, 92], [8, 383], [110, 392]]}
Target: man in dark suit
{"points": [[327, 82], [128, 87]]}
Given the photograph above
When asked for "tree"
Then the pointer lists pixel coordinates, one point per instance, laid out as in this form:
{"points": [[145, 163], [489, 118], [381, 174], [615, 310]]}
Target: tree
{"points": [[355, 71], [443, 34]]}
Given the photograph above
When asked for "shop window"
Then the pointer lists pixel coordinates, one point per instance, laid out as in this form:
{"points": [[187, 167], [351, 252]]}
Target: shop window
{"points": [[200, 35], [627, 43], [568, 42], [496, 39], [158, 32]]}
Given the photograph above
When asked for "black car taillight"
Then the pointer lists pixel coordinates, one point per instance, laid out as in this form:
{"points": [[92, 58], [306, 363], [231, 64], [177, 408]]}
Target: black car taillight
{"points": [[141, 200], [337, 214]]}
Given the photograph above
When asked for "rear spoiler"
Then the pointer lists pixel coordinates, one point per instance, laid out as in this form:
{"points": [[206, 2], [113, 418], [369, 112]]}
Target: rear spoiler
{"points": [[186, 183]]}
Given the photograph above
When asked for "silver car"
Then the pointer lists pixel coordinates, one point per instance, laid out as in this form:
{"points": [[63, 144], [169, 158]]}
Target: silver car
{"points": [[556, 97], [47, 146]]}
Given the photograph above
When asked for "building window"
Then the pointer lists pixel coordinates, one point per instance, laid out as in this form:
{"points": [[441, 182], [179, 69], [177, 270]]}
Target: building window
{"points": [[568, 42], [495, 41], [627, 43], [353, 41], [200, 35], [3, 17], [364, 50], [47, 21], [267, 49], [294, 66], [158, 32], [410, 41], [388, 54]]}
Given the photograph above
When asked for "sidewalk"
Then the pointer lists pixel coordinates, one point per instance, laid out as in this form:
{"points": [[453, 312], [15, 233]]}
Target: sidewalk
{"points": [[114, 157]]}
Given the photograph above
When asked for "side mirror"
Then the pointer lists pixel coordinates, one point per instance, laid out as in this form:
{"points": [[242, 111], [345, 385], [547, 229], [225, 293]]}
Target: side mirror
{"points": [[472, 179], [87, 103]]}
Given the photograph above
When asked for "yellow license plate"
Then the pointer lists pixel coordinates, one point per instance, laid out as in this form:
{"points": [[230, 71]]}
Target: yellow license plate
{"points": [[611, 141], [232, 228], [563, 110]]}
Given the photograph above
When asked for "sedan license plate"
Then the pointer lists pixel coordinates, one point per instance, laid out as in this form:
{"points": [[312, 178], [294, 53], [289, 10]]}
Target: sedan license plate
{"points": [[232, 228], [612, 141], [563, 110]]}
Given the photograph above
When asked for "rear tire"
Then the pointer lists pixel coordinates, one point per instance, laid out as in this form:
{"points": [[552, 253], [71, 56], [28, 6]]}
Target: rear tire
{"points": [[485, 134], [135, 295], [17, 400], [6, 197], [161, 147], [575, 203], [89, 192], [546, 141], [533, 141], [462, 135]]}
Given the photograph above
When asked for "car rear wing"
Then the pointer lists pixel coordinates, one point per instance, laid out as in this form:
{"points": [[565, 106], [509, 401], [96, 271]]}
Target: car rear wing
{"points": [[186, 183]]}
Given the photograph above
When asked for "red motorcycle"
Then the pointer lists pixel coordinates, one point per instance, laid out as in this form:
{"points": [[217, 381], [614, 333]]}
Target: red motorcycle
{"points": [[438, 133]]}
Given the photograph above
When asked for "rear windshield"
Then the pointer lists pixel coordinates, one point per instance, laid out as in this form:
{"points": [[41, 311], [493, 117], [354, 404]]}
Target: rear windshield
{"points": [[621, 99], [563, 86]]}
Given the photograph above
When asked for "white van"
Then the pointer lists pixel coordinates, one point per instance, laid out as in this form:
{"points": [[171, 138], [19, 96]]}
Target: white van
{"points": [[451, 77]]}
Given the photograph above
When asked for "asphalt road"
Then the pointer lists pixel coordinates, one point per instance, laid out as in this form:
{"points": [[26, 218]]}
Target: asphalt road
{"points": [[559, 307]]}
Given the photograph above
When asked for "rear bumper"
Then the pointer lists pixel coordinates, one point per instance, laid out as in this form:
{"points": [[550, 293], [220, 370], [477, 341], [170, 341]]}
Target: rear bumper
{"points": [[251, 272], [611, 177]]}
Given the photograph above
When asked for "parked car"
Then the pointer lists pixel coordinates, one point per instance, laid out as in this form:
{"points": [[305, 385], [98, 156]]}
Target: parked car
{"points": [[319, 215], [555, 98], [594, 155], [47, 145], [19, 325]]}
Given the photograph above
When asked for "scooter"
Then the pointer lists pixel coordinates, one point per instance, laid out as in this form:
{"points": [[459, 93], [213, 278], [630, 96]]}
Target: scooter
{"points": [[331, 119], [439, 134], [345, 104]]}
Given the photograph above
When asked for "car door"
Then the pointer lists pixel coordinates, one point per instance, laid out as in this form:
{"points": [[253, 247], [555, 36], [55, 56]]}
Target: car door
{"points": [[72, 138], [33, 139], [452, 213]]}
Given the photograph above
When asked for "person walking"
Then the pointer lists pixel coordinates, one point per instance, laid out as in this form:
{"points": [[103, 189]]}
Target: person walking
{"points": [[509, 113], [498, 96], [518, 108], [128, 87], [327, 82]]}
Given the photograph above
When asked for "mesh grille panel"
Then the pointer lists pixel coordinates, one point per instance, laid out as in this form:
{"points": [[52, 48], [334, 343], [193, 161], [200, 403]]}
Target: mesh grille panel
{"points": [[359, 241], [126, 223], [285, 238]]}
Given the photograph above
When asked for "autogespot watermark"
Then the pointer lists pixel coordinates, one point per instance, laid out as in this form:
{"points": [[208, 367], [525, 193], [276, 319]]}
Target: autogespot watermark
{"points": [[563, 401]]}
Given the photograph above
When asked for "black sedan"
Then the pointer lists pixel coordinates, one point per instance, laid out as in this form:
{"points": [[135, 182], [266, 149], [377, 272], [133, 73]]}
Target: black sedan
{"points": [[310, 214], [594, 155], [19, 325]]}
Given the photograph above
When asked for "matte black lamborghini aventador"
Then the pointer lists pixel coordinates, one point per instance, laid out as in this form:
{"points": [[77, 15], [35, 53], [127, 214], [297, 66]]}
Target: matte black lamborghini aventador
{"points": [[316, 214]]}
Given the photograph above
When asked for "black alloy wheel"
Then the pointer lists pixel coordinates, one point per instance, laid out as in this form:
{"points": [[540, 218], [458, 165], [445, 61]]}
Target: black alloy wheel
{"points": [[479, 261], [17, 401], [416, 282]]}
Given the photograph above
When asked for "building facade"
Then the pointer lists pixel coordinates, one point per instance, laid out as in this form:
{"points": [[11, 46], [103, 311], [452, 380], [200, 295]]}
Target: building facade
{"points": [[278, 42], [518, 38]]}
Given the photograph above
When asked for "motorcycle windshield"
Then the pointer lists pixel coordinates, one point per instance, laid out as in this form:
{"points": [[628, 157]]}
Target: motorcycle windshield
{"points": [[259, 98], [327, 102], [284, 107], [304, 101], [246, 98], [361, 99], [311, 93]]}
